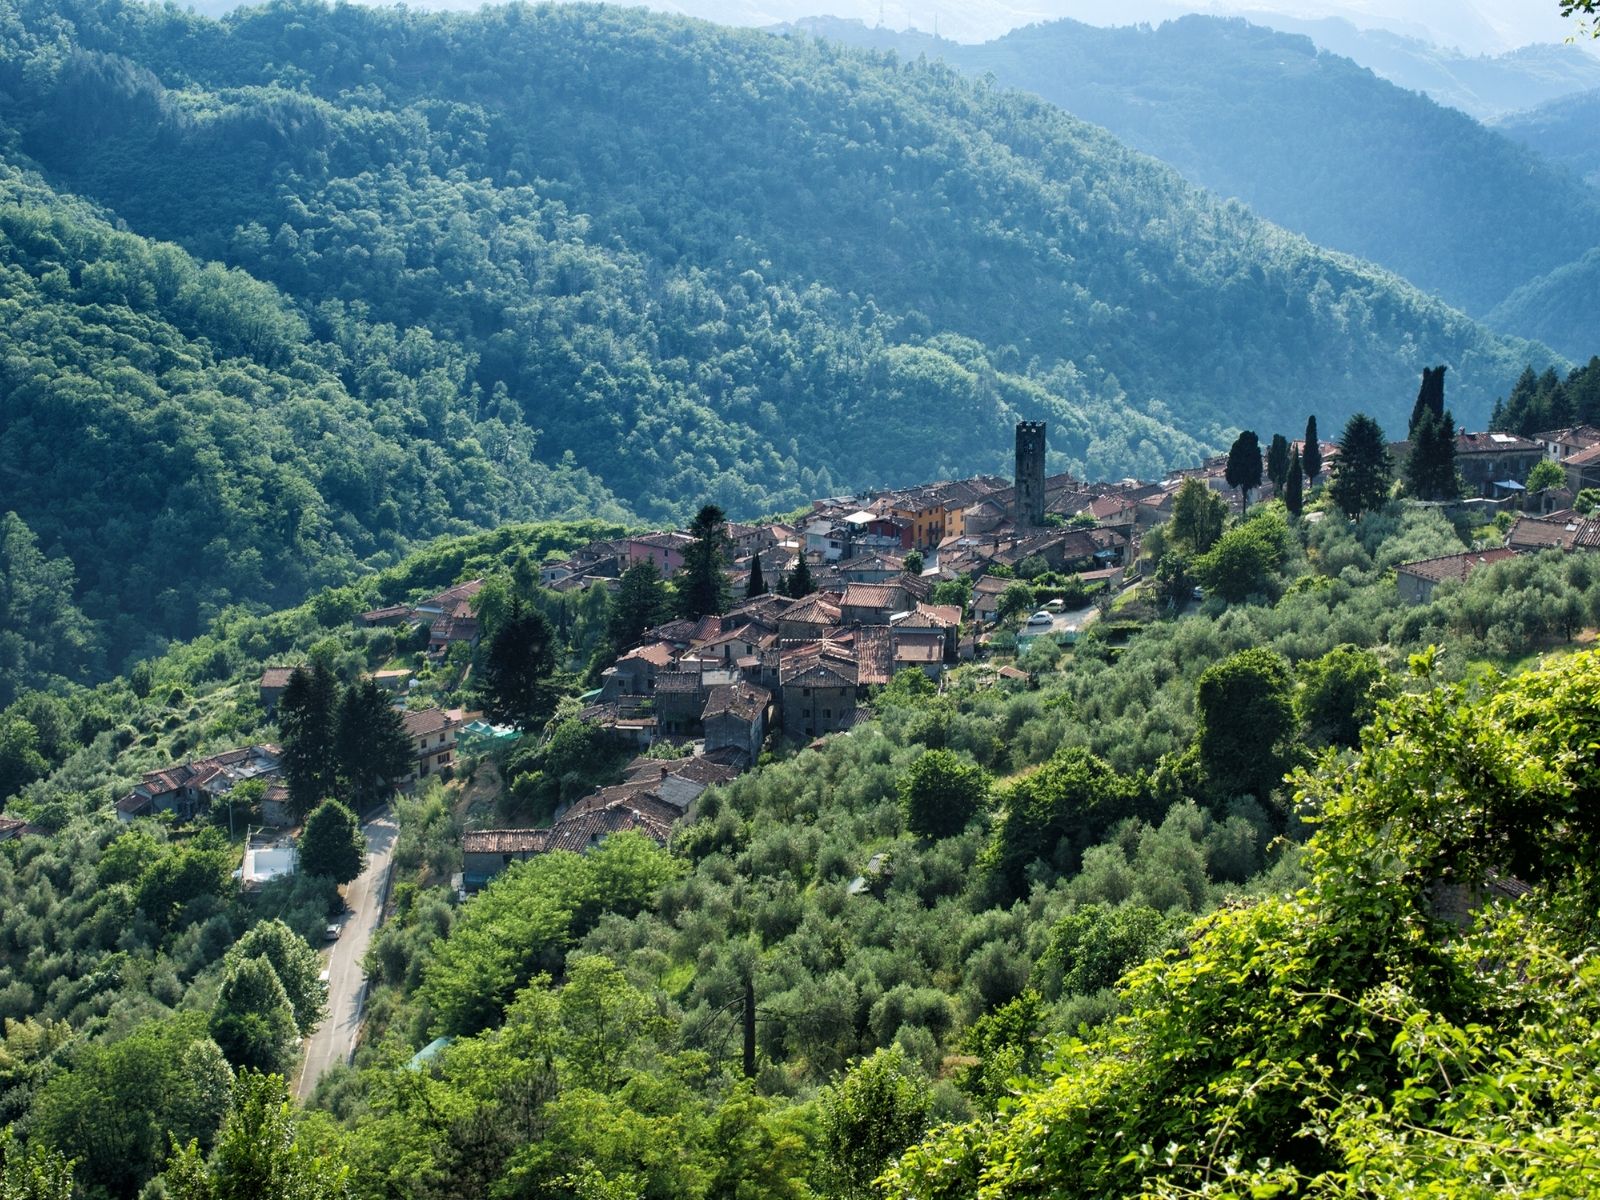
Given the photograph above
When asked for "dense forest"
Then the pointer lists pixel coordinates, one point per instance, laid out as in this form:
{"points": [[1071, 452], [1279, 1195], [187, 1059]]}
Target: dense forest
{"points": [[1562, 130], [908, 969], [1310, 141]]}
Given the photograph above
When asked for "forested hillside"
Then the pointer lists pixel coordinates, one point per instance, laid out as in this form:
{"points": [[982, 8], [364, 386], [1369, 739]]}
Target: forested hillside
{"points": [[1565, 130], [1310, 141]]}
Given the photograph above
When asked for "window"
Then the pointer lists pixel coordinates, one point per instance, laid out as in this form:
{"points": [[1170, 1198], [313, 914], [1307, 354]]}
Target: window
{"points": [[805, 691], [827, 712], [443, 760]]}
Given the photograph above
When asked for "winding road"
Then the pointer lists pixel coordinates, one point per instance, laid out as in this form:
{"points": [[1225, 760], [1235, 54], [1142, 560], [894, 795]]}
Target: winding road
{"points": [[334, 1041]]}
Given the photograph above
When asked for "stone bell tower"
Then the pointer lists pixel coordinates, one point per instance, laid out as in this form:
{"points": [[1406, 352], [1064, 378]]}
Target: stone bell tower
{"points": [[1029, 508]]}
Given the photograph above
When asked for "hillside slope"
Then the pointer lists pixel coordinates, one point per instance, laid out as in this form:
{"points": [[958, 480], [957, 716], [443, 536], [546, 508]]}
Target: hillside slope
{"points": [[1309, 140], [1565, 130], [707, 261]]}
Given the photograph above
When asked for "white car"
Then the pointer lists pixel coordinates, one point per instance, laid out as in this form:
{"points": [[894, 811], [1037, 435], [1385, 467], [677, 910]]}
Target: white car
{"points": [[1041, 620], [331, 933]]}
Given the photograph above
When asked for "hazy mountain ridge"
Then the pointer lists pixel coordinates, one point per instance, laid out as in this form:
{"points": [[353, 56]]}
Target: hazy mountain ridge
{"points": [[1309, 140], [1566, 131]]}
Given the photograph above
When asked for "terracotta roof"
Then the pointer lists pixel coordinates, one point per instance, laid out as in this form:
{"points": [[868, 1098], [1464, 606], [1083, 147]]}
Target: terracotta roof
{"points": [[874, 655], [393, 612], [919, 648], [657, 654], [428, 721], [947, 615], [1583, 457], [744, 701], [884, 596], [451, 597], [1454, 566], [1495, 443], [276, 678]]}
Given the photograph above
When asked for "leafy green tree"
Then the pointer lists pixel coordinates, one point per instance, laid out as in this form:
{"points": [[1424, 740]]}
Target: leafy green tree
{"points": [[42, 632], [1278, 462], [1294, 488], [32, 1172], [1245, 561], [603, 1020], [1245, 710], [111, 1107], [1339, 693], [1091, 947], [295, 963], [201, 867], [1053, 815], [308, 725], [1244, 465], [1198, 517], [757, 583], [1587, 501], [1311, 456], [20, 760], [1546, 474], [913, 562], [1365, 471], [641, 603], [253, 1021], [1016, 600], [878, 1109], [331, 845], [940, 793], [799, 584], [515, 680], [1032, 567], [703, 581], [260, 1152], [373, 749]]}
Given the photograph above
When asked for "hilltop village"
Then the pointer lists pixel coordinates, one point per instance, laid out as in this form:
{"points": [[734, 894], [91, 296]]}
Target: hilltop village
{"points": [[864, 588]]}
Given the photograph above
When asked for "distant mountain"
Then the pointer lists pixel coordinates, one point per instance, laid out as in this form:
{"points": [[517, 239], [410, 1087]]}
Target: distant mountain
{"points": [[1566, 131], [1308, 140], [531, 259], [1482, 85], [1559, 307]]}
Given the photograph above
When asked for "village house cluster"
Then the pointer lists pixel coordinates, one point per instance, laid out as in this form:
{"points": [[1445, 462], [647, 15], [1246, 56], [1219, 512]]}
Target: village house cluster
{"points": [[801, 667]]}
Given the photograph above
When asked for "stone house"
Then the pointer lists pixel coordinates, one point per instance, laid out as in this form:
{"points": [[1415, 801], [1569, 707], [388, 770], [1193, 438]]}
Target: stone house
{"points": [[735, 717], [1415, 581]]}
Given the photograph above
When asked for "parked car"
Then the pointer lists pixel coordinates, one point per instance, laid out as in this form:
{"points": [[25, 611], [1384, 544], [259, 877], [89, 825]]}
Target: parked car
{"points": [[1040, 620], [331, 933]]}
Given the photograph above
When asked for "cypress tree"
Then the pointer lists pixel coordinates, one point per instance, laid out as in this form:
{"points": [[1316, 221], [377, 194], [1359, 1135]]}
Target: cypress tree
{"points": [[1293, 495], [514, 683], [1311, 457], [1244, 465], [640, 604], [1431, 464], [799, 582], [373, 749], [757, 585], [1430, 398], [1278, 462]]}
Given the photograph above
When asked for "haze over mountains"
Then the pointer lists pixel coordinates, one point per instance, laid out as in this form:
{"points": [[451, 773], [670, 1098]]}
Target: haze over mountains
{"points": [[1314, 142]]}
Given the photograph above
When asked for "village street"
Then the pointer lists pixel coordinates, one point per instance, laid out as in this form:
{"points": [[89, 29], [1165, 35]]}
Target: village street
{"points": [[334, 1041]]}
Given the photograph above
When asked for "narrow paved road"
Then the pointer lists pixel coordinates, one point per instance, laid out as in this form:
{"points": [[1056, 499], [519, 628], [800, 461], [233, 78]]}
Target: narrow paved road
{"points": [[334, 1041]]}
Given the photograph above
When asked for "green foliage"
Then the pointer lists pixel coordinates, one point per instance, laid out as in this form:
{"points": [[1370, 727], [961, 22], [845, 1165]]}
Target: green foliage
{"points": [[180, 879], [702, 585], [525, 921], [32, 1172], [514, 681], [1339, 693], [331, 845], [1278, 462], [1198, 516], [1391, 1029], [1244, 706], [913, 562], [1244, 465], [308, 714], [1364, 472], [260, 1152], [112, 1108], [1053, 815], [878, 1109], [1546, 474], [1246, 560], [373, 749], [253, 1020], [941, 792], [798, 584], [1294, 485], [43, 635], [1430, 470], [297, 966], [1311, 453]]}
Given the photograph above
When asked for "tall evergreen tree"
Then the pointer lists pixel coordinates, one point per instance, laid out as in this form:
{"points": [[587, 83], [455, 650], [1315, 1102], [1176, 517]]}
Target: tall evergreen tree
{"points": [[641, 603], [703, 582], [307, 717], [1278, 462], [1431, 463], [1293, 488], [1364, 472], [1244, 465], [373, 748], [758, 584], [799, 582], [331, 845], [1430, 398], [514, 682], [1198, 515], [1311, 456]]}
